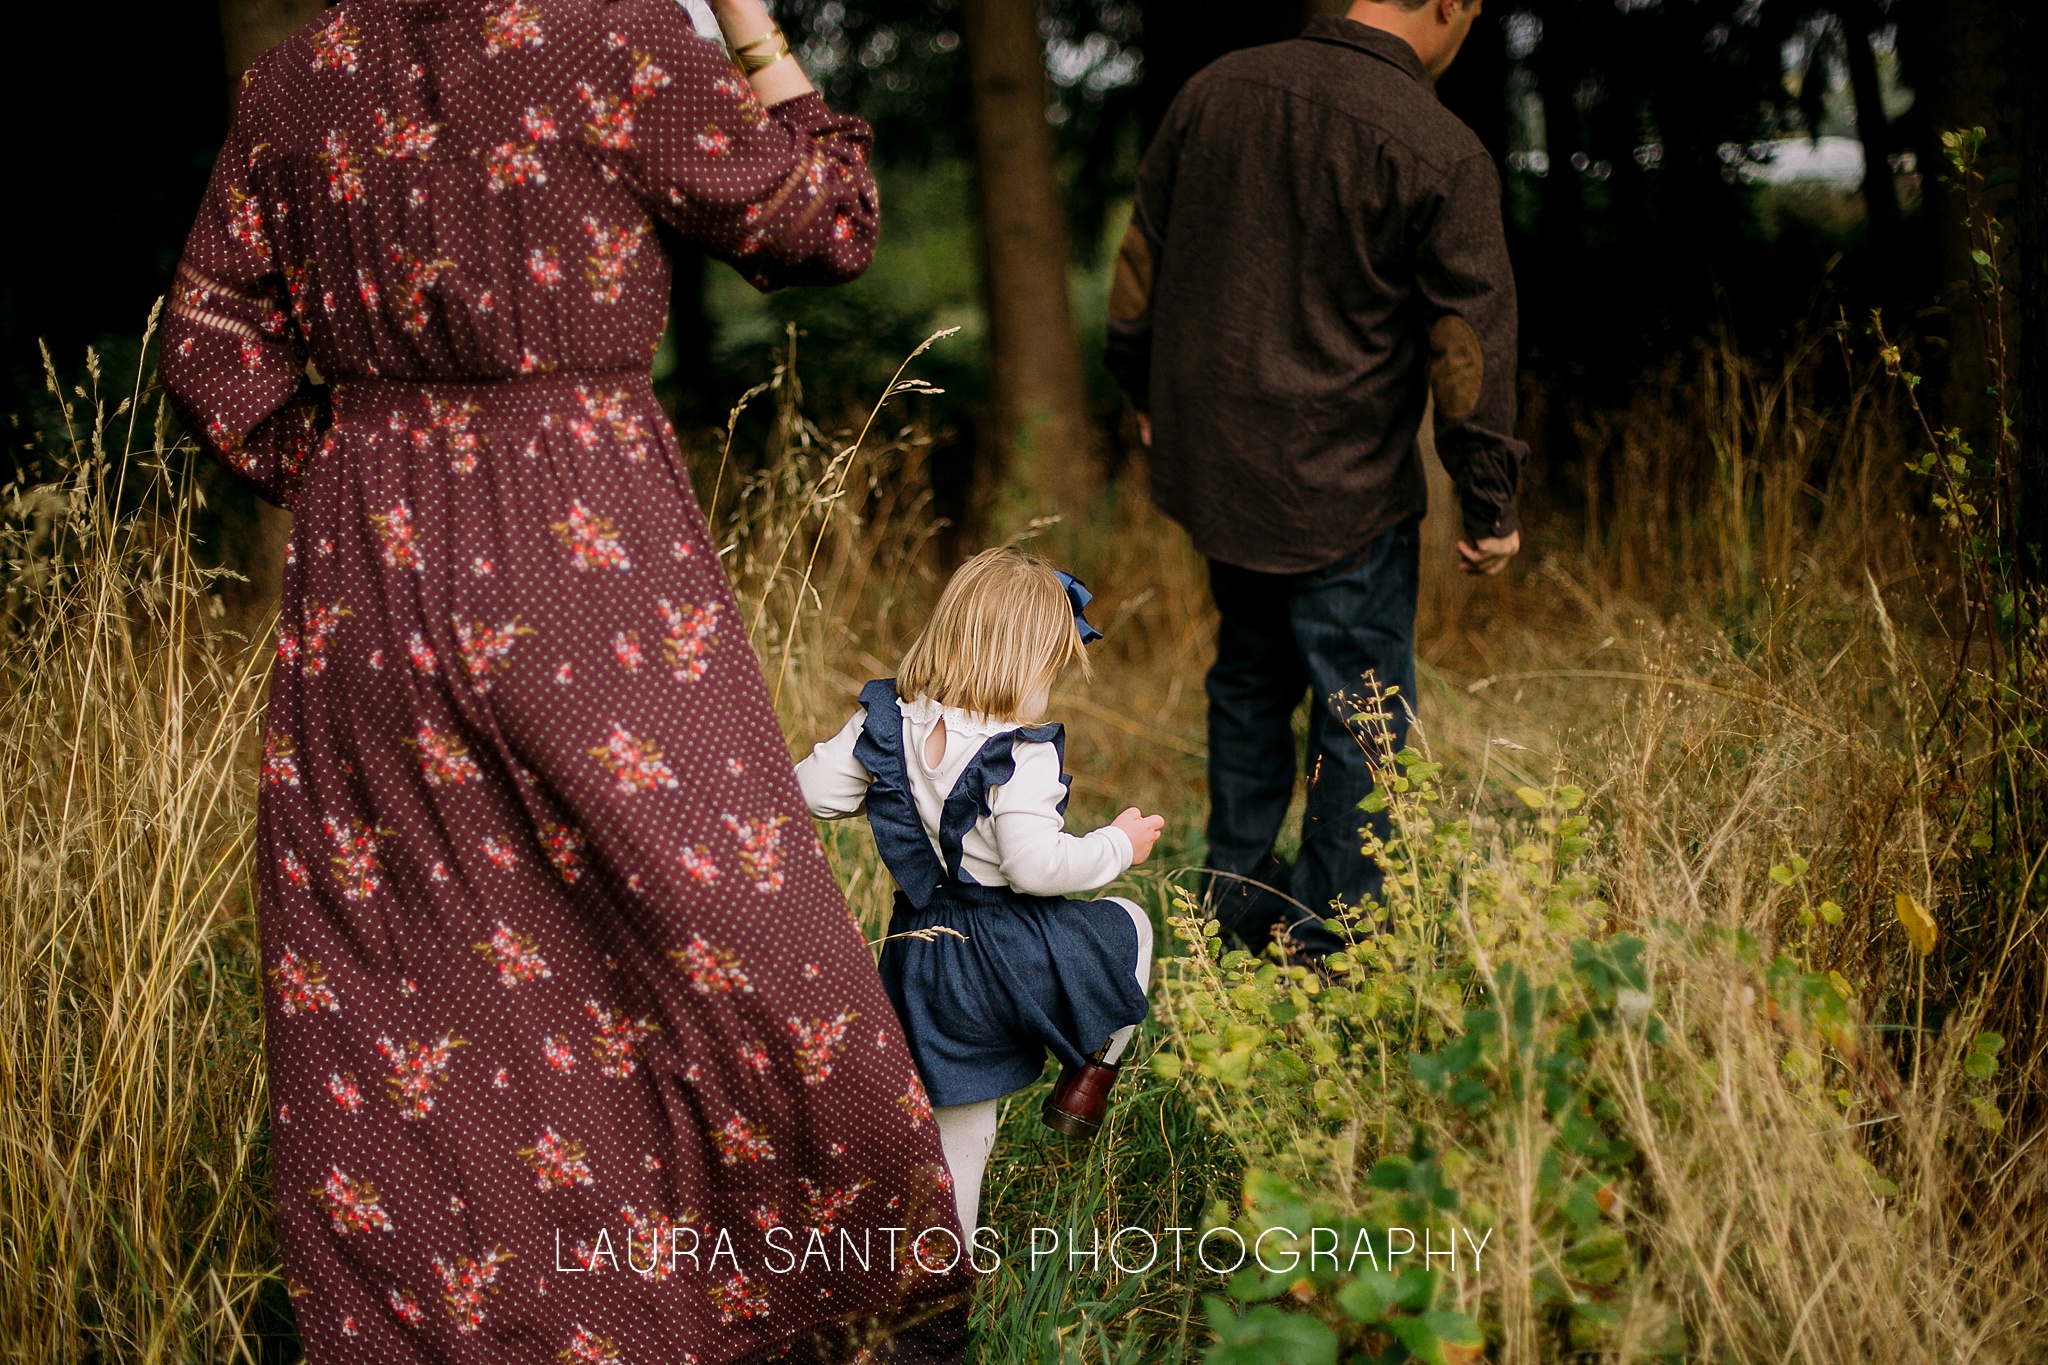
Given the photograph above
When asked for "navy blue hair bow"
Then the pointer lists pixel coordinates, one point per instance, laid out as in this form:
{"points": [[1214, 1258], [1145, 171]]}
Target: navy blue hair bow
{"points": [[1078, 594]]}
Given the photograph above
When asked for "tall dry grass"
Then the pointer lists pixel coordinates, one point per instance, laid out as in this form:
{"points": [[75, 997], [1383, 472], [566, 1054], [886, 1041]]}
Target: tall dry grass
{"points": [[833, 548], [132, 1213], [1728, 472], [1822, 1162], [1830, 1156], [1740, 671], [1818, 1186], [1724, 721]]}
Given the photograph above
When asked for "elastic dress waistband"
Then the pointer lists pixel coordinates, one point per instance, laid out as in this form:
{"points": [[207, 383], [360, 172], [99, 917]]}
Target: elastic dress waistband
{"points": [[363, 397]]}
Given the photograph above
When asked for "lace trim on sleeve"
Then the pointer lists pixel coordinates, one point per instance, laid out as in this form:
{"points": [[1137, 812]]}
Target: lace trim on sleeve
{"points": [[204, 284], [196, 289], [217, 321]]}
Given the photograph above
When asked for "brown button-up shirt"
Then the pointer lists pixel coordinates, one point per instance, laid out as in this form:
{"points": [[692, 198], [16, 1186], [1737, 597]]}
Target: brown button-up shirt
{"points": [[1316, 244]]}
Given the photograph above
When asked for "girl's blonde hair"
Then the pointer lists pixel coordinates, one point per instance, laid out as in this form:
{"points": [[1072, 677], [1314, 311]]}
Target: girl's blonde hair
{"points": [[1003, 629]]}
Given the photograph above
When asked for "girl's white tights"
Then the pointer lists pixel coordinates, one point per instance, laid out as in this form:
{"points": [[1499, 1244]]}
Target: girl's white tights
{"points": [[1143, 924], [967, 1132]]}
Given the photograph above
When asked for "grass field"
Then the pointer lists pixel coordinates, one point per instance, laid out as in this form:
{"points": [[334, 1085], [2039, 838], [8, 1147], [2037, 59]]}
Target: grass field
{"points": [[1772, 1130]]}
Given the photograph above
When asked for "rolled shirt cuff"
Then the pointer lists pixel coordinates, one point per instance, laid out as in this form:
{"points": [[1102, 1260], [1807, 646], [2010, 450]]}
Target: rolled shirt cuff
{"points": [[1488, 520]]}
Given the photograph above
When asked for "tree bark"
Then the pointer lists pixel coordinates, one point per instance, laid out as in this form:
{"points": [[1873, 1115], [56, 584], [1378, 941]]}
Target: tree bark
{"points": [[2033, 249], [1044, 444], [1442, 592], [1873, 129], [1958, 57], [248, 28]]}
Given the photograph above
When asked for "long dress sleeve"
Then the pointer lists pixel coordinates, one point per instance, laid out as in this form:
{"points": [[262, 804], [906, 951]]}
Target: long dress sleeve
{"points": [[782, 193], [232, 358]]}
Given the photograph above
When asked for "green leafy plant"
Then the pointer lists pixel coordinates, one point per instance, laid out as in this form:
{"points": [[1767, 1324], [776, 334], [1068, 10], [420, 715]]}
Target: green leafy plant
{"points": [[1439, 1079], [1978, 761]]}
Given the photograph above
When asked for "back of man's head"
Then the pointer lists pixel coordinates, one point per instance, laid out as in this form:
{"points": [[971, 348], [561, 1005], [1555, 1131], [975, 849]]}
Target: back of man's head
{"points": [[1436, 29]]}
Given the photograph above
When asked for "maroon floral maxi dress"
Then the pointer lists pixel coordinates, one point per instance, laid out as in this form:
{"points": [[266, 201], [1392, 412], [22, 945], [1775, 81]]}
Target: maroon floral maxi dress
{"points": [[574, 1050]]}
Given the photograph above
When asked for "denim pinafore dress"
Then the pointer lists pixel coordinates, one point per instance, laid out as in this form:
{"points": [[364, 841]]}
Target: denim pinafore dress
{"points": [[1031, 973]]}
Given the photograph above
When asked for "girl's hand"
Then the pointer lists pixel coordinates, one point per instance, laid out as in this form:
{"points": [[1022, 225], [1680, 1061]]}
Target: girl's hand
{"points": [[1142, 830]]}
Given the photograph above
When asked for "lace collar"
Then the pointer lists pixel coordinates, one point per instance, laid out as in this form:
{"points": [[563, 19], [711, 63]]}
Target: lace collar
{"points": [[923, 711]]}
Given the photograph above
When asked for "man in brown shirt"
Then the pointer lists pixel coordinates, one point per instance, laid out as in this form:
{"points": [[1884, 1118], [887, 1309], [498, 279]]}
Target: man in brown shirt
{"points": [[1316, 247]]}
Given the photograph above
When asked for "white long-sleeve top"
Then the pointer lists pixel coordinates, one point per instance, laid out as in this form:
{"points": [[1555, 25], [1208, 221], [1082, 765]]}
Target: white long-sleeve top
{"points": [[1022, 842]]}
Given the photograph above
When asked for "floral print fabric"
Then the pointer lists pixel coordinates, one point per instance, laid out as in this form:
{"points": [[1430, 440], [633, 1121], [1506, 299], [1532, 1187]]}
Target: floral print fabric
{"points": [[556, 973]]}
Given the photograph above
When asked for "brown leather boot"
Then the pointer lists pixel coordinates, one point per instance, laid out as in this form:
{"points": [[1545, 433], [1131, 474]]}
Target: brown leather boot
{"points": [[1077, 1105]]}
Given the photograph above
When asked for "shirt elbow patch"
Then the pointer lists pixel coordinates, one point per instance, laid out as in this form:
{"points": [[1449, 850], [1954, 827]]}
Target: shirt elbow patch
{"points": [[1457, 367], [1130, 292]]}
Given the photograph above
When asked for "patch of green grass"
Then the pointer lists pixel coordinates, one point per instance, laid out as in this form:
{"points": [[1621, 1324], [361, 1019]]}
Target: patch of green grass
{"points": [[1153, 1166]]}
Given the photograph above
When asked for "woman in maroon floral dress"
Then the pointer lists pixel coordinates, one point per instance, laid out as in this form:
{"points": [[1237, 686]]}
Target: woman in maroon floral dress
{"points": [[560, 989]]}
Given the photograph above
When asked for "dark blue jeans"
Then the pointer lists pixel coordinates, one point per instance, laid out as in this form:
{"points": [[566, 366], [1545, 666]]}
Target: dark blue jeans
{"points": [[1331, 633]]}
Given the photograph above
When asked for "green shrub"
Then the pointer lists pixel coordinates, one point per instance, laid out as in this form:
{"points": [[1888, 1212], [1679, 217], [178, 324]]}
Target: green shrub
{"points": [[1439, 1079]]}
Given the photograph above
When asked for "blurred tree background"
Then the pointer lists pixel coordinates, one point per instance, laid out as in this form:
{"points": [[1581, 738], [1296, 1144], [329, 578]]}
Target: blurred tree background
{"points": [[1671, 167]]}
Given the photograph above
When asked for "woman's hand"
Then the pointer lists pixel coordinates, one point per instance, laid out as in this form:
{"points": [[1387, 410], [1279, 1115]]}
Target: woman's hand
{"points": [[1142, 830]]}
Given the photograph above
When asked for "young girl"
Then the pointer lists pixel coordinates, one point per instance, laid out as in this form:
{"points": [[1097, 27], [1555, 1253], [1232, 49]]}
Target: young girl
{"points": [[967, 799]]}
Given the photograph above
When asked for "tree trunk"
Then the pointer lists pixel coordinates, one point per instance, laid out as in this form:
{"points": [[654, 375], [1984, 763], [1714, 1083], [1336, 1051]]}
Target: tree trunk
{"points": [[2033, 248], [247, 29], [1044, 444], [1958, 54], [1555, 335], [1443, 593], [1880, 187]]}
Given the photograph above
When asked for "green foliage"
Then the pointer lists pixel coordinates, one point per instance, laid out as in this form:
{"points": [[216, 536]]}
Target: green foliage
{"points": [[926, 276], [1267, 1336], [1985, 735], [1982, 1064], [1391, 1094]]}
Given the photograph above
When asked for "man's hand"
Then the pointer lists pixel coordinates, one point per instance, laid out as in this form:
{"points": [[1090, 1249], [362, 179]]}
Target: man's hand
{"points": [[1142, 830], [1491, 555]]}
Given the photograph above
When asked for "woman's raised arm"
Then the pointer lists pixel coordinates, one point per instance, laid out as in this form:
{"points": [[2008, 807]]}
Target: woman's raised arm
{"points": [[764, 53], [782, 191]]}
